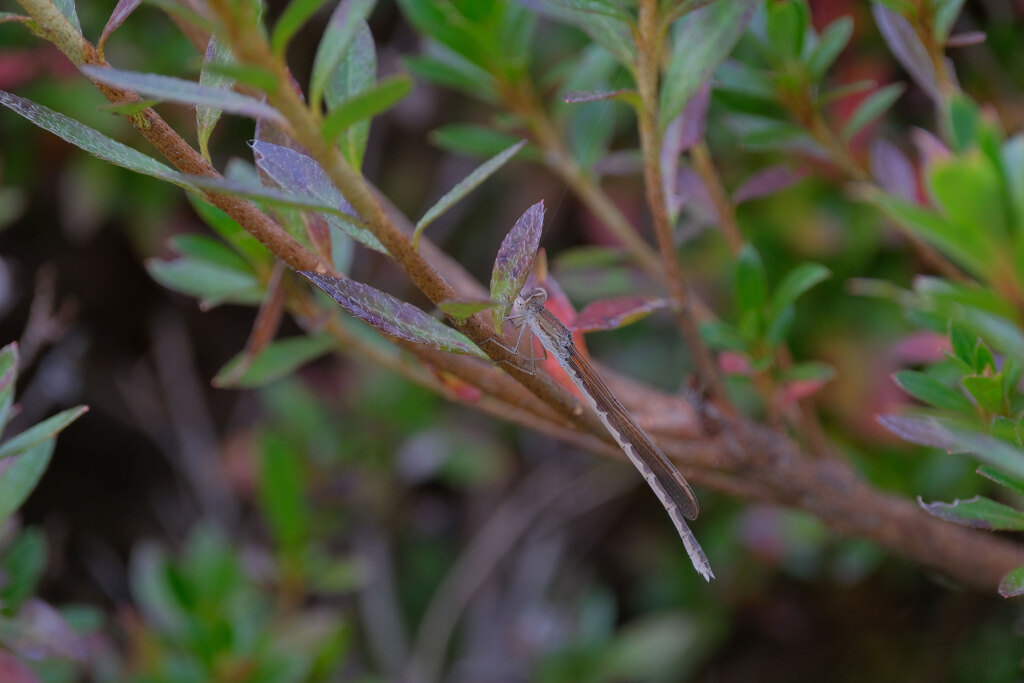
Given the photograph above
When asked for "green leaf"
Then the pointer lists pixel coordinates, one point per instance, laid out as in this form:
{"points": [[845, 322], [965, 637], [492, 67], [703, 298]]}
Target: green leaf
{"points": [[294, 16], [987, 391], [67, 8], [356, 74], [278, 359], [873, 106], [19, 476], [209, 249], [393, 316], [464, 187], [945, 14], [796, 282], [612, 33], [703, 40], [229, 230], [961, 242], [366, 105], [8, 379], [969, 191], [471, 140], [964, 345], [211, 283], [283, 494], [514, 261], [1015, 485], [831, 43], [785, 26], [171, 89], [750, 282], [929, 390], [1012, 585], [22, 565], [964, 119], [342, 28], [461, 309], [721, 335], [977, 513], [217, 52], [36, 434], [454, 72]]}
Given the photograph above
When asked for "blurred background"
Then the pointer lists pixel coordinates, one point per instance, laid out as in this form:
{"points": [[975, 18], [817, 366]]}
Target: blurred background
{"points": [[331, 523]]}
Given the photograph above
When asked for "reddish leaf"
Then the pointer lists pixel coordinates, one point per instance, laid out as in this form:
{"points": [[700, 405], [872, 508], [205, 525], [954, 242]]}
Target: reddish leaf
{"points": [[767, 182], [800, 389], [733, 363], [611, 314], [921, 348], [966, 39], [13, 671], [515, 258], [392, 316], [463, 391]]}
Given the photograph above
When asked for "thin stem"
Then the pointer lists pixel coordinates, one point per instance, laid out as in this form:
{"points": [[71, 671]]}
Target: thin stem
{"points": [[705, 167], [649, 42]]}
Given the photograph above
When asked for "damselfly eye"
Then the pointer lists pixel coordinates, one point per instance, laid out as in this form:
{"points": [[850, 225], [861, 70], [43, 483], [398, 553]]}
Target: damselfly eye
{"points": [[539, 295]]}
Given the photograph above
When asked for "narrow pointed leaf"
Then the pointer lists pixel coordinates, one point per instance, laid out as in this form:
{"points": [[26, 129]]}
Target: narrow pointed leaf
{"points": [[796, 282], [339, 35], [121, 12], [992, 474], [904, 44], [67, 8], [767, 182], [515, 259], [611, 314], [179, 90], [892, 170], [926, 388], [20, 475], [703, 41], [11, 16], [920, 429], [830, 43], [627, 95], [217, 52], [295, 14], [876, 104], [278, 359], [977, 513], [393, 316], [212, 283], [356, 74], [36, 434], [365, 105], [464, 187]]}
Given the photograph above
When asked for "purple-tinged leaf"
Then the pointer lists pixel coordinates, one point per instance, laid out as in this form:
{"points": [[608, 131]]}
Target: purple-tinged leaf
{"points": [[627, 95], [611, 314], [183, 91], [1012, 585], [920, 429], [620, 163], [302, 175], [977, 513], [703, 40], [966, 39], [392, 316], [692, 193], [930, 149], [907, 48], [767, 182], [683, 132], [461, 309], [464, 187], [514, 260], [277, 359], [892, 170], [39, 632], [121, 12]]}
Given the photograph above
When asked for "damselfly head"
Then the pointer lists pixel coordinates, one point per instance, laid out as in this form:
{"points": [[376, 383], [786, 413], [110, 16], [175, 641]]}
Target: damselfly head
{"points": [[537, 297]]}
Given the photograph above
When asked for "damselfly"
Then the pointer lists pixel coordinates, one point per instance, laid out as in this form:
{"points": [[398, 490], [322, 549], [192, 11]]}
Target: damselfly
{"points": [[671, 488]]}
